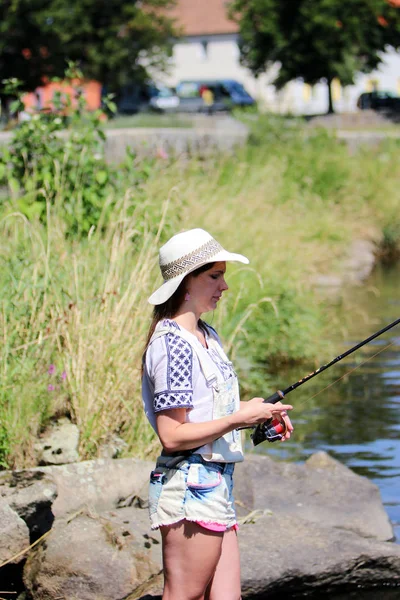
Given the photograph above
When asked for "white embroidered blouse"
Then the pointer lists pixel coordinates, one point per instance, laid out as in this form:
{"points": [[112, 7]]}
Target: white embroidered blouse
{"points": [[172, 376]]}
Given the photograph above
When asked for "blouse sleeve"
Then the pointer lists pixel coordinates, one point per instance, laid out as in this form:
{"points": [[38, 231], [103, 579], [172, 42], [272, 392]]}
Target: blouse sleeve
{"points": [[170, 366]]}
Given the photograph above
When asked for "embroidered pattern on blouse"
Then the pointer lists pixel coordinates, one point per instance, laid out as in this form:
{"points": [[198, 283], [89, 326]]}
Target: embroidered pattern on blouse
{"points": [[179, 392], [170, 323], [225, 368], [165, 400]]}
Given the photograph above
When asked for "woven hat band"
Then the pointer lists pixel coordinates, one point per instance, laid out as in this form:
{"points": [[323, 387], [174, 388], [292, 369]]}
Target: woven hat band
{"points": [[190, 261]]}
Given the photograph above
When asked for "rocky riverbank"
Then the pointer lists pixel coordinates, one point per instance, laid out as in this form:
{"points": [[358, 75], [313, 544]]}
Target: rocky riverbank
{"points": [[304, 528]]}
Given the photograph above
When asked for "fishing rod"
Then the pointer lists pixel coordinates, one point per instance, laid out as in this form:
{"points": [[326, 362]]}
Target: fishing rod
{"points": [[273, 429]]}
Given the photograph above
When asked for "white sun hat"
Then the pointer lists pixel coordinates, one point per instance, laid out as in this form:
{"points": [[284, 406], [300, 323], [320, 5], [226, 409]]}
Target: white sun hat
{"points": [[184, 253]]}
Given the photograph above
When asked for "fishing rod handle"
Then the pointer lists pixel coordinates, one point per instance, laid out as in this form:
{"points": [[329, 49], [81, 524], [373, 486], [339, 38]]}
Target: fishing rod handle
{"points": [[276, 397], [271, 430]]}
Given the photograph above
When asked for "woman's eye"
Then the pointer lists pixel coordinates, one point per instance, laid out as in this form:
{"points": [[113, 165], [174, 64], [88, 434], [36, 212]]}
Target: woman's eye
{"points": [[214, 276]]}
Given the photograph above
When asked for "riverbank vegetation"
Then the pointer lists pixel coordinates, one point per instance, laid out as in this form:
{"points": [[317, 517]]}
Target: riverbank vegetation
{"points": [[76, 271]]}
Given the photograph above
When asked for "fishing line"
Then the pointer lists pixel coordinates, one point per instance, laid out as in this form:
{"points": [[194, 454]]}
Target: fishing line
{"points": [[344, 375]]}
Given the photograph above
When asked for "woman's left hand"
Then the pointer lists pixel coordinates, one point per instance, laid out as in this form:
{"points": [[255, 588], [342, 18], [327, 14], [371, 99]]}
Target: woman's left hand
{"points": [[285, 419]]}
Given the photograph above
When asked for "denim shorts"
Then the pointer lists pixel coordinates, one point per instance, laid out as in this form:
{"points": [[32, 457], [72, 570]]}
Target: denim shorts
{"points": [[195, 490]]}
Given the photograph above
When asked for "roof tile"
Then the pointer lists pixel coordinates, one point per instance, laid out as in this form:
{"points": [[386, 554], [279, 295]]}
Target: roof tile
{"points": [[203, 17]]}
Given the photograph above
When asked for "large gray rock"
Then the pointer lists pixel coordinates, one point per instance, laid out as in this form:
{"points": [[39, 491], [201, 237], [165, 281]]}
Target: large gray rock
{"points": [[354, 269], [14, 534], [287, 554], [321, 490], [58, 444], [95, 557], [101, 484], [31, 494]]}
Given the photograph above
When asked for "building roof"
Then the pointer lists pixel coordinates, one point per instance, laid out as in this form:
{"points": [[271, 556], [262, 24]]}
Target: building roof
{"points": [[203, 17], [209, 17]]}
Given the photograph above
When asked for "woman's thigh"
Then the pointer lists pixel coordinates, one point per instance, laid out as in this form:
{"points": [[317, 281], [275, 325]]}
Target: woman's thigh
{"points": [[190, 557], [225, 585]]}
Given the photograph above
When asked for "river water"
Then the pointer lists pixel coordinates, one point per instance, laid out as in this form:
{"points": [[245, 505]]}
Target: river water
{"points": [[356, 420]]}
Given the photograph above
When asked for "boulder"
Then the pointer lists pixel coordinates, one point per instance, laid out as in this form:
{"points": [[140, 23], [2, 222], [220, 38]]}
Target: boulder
{"points": [[59, 443], [94, 557], [282, 555], [101, 484], [14, 534], [31, 495], [321, 490]]}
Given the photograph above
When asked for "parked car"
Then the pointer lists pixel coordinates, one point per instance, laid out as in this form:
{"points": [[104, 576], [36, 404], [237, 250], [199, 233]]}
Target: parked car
{"points": [[163, 99], [225, 94], [378, 100], [137, 97]]}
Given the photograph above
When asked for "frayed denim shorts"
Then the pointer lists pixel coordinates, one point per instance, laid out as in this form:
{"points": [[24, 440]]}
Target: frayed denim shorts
{"points": [[195, 490]]}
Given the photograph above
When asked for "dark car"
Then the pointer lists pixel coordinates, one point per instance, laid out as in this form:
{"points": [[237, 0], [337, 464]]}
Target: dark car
{"points": [[379, 100], [225, 93], [136, 97]]}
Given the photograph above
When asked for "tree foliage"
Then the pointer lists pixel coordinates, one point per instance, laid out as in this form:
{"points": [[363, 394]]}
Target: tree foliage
{"points": [[113, 41], [315, 39]]}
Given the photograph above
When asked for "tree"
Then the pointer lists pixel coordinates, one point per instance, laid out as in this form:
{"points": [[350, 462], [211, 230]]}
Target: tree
{"points": [[315, 39], [113, 41], [24, 50]]}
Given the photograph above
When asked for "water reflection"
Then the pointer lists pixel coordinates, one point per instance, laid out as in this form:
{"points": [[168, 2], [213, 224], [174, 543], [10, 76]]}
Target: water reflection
{"points": [[356, 420]]}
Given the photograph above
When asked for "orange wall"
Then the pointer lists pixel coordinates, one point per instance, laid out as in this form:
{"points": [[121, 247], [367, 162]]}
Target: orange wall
{"points": [[42, 97]]}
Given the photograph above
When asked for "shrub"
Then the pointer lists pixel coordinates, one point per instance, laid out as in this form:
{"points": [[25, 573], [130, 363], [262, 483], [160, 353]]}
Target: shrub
{"points": [[58, 158]]}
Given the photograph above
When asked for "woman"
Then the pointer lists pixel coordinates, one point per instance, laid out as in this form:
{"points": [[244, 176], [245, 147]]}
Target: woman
{"points": [[191, 398]]}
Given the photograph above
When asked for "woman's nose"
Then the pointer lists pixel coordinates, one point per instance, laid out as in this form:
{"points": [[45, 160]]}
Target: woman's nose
{"points": [[224, 285]]}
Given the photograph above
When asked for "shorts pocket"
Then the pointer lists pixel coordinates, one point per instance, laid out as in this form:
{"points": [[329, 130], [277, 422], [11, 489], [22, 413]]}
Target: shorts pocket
{"points": [[201, 478], [155, 489]]}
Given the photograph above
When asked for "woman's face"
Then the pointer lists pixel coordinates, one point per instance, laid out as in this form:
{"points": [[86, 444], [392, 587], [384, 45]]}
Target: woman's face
{"points": [[206, 289]]}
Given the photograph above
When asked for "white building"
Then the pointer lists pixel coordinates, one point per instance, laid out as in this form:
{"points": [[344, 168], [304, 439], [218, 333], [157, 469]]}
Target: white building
{"points": [[209, 50]]}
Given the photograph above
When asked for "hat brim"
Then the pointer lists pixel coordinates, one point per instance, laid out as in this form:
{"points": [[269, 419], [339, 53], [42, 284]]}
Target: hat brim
{"points": [[166, 290]]}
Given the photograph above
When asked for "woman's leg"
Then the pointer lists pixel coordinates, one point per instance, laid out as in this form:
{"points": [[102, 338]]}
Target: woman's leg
{"points": [[190, 557], [225, 585]]}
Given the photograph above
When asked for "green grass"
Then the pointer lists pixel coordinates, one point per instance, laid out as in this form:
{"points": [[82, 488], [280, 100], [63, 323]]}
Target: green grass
{"points": [[149, 120], [290, 200]]}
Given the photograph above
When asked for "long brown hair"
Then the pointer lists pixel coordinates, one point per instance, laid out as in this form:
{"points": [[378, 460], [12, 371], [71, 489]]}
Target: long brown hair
{"points": [[168, 309]]}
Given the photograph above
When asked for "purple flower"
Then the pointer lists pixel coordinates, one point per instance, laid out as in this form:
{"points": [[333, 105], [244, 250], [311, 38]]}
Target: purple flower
{"points": [[51, 370], [50, 387], [64, 375]]}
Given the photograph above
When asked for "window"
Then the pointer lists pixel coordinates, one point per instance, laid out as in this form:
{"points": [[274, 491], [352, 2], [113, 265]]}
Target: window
{"points": [[203, 50]]}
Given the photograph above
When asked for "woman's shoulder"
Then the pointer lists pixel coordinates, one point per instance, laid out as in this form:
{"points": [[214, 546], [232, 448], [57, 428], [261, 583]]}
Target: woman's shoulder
{"points": [[167, 340]]}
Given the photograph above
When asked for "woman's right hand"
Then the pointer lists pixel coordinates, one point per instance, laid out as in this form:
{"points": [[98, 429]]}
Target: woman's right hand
{"points": [[257, 411]]}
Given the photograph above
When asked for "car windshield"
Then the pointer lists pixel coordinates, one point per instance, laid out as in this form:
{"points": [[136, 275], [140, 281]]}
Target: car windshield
{"points": [[160, 92], [234, 86], [386, 95], [187, 89]]}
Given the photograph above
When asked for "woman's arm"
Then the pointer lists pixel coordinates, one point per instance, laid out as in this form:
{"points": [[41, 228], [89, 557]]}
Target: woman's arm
{"points": [[176, 434]]}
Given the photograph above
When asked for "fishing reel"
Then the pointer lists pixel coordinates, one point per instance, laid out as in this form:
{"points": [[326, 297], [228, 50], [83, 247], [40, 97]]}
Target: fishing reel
{"points": [[272, 430]]}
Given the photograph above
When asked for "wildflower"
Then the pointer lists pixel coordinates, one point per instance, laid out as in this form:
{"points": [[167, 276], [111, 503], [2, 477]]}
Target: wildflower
{"points": [[50, 387], [51, 370], [162, 153], [64, 375]]}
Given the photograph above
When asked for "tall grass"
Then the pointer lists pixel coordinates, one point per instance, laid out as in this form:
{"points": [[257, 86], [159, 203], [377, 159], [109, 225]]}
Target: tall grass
{"points": [[74, 314]]}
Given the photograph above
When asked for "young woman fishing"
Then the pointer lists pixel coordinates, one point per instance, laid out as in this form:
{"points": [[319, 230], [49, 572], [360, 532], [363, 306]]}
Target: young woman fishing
{"points": [[191, 398]]}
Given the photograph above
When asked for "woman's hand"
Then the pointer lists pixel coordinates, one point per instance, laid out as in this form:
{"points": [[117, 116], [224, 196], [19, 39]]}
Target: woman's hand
{"points": [[257, 411], [284, 418]]}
